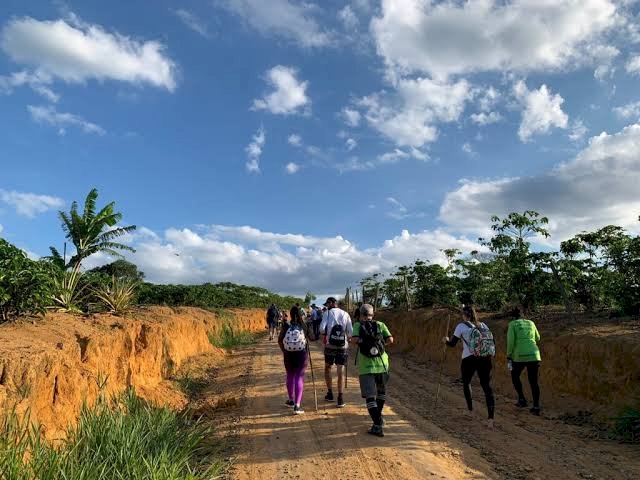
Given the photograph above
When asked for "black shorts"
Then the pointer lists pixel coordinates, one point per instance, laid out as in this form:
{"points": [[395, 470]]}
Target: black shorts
{"points": [[272, 324], [339, 357]]}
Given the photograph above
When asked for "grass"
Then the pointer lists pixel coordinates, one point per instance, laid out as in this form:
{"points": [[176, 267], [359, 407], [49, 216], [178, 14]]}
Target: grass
{"points": [[123, 439], [628, 425], [228, 338]]}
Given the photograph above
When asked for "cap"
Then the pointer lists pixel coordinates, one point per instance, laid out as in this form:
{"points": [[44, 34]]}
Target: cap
{"points": [[366, 309], [330, 300]]}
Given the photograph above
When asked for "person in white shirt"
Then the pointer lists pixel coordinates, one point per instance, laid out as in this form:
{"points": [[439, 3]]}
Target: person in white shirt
{"points": [[336, 330]]}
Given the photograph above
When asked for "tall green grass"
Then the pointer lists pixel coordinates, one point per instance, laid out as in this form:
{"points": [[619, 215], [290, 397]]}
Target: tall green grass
{"points": [[228, 338], [124, 439]]}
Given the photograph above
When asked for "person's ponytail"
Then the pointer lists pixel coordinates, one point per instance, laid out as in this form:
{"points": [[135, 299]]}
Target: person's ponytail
{"points": [[471, 314]]}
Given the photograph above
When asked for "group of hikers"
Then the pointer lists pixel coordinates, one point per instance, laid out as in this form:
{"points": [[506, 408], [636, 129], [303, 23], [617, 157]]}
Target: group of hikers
{"points": [[337, 330]]}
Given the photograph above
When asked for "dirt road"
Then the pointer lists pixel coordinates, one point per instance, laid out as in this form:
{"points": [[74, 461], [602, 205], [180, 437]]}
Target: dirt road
{"points": [[420, 442]]}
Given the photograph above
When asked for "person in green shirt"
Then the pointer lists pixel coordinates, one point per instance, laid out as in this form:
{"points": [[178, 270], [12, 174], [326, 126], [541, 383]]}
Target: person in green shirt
{"points": [[523, 352], [372, 338]]}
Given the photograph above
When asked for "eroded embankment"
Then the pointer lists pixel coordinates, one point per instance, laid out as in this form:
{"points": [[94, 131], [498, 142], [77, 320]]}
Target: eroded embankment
{"points": [[599, 363], [51, 366]]}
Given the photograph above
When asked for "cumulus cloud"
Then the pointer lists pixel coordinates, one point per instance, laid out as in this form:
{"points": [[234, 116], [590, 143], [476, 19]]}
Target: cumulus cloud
{"points": [[292, 168], [409, 115], [351, 116], [350, 144], [445, 38], [193, 22], [628, 111], [75, 52], [295, 140], [30, 204], [288, 95], [348, 18], [542, 110], [293, 21], [598, 187], [48, 115], [578, 130], [483, 118], [36, 81], [254, 151], [633, 65]]}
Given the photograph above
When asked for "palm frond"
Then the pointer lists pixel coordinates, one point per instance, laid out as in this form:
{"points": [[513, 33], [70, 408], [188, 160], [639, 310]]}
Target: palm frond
{"points": [[90, 204]]}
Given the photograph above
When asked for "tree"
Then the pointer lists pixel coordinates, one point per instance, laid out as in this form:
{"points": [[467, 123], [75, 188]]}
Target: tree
{"points": [[120, 269], [308, 298], [92, 232]]}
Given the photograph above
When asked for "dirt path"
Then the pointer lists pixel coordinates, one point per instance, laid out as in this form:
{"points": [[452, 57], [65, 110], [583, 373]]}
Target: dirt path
{"points": [[246, 402]]}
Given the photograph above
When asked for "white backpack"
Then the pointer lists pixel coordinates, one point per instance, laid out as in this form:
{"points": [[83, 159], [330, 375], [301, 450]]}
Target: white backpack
{"points": [[294, 339]]}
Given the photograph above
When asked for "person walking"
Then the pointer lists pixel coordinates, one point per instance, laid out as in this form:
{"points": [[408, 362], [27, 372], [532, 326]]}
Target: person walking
{"points": [[272, 320], [523, 352], [477, 351], [316, 321], [293, 343], [372, 338], [336, 329]]}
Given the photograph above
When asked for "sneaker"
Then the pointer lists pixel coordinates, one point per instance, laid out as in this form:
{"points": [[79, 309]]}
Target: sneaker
{"points": [[329, 396], [535, 411], [490, 424], [376, 430], [297, 410], [522, 403], [341, 403], [289, 403]]}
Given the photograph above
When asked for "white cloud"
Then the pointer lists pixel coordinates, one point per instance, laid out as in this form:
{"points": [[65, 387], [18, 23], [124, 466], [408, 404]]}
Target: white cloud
{"points": [[36, 81], [483, 118], [488, 99], [292, 168], [467, 148], [351, 116], [1, 228], [409, 116], [350, 144], [598, 187], [399, 211], [348, 18], [542, 110], [192, 22], [76, 52], [633, 65], [604, 72], [288, 95], [289, 20], [30, 204], [578, 130], [445, 38], [50, 116], [254, 151], [628, 111], [295, 140]]}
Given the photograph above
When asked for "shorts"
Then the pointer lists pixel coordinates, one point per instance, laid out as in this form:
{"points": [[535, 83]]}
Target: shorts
{"points": [[374, 385], [339, 357], [272, 324]]}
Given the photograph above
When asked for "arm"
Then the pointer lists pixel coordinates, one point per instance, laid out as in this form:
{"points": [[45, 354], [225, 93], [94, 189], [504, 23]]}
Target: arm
{"points": [[283, 332], [451, 342], [537, 333], [511, 341], [388, 341]]}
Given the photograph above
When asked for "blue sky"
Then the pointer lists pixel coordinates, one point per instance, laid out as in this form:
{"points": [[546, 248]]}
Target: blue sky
{"points": [[301, 145]]}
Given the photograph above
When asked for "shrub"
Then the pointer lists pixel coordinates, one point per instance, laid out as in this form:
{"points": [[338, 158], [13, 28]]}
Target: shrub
{"points": [[117, 296], [68, 291], [228, 338], [25, 285]]}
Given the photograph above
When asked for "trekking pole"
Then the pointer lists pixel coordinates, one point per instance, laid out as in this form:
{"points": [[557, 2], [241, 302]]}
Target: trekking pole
{"points": [[313, 377], [444, 357]]}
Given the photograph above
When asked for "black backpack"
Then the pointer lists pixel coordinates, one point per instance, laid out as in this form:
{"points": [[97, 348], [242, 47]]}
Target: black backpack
{"points": [[272, 313], [371, 341], [337, 336]]}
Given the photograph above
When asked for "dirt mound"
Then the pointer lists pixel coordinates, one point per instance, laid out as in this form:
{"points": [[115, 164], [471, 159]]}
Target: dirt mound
{"points": [[50, 366]]}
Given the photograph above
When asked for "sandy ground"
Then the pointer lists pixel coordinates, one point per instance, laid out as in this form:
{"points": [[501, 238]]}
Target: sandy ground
{"points": [[246, 403]]}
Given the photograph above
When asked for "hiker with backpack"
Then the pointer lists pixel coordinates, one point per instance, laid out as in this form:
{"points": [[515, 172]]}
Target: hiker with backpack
{"points": [[523, 352], [478, 350], [293, 344], [336, 329], [372, 338], [273, 315]]}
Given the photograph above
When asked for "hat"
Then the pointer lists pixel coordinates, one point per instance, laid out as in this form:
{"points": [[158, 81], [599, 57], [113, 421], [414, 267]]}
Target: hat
{"points": [[313, 305], [330, 300], [366, 310]]}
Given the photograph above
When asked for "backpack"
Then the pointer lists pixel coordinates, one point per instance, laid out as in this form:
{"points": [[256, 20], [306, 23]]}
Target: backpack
{"points": [[337, 336], [294, 339], [371, 342], [481, 342], [272, 314]]}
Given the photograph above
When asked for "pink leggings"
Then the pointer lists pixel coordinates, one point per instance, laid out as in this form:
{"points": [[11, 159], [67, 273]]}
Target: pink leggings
{"points": [[295, 384]]}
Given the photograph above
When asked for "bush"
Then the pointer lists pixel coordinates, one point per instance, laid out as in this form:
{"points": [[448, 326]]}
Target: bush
{"points": [[228, 338], [25, 284], [126, 438], [118, 295]]}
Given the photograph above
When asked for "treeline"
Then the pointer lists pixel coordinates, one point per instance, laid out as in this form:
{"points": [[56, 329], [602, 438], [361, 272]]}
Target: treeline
{"points": [[593, 271]]}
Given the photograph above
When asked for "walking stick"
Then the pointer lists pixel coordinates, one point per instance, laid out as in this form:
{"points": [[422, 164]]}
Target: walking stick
{"points": [[444, 357], [313, 377]]}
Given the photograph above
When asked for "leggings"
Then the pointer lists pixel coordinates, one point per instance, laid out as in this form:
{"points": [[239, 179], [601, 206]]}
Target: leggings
{"points": [[483, 366], [295, 383], [532, 373]]}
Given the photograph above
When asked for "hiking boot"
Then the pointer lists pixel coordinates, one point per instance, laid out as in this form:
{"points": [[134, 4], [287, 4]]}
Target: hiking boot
{"points": [[297, 410], [341, 403], [329, 396], [376, 430], [535, 411], [522, 403], [289, 403]]}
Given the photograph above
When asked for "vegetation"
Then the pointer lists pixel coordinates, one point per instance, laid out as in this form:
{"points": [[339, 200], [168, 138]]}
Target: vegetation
{"points": [[125, 438], [592, 271], [230, 338], [118, 296]]}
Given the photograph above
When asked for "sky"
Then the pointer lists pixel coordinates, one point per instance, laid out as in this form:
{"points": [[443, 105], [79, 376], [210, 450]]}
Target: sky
{"points": [[302, 145]]}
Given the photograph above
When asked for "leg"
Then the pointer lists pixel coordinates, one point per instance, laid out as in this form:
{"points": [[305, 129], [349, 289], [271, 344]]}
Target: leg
{"points": [[381, 390], [532, 372], [340, 372], [327, 377], [299, 385], [290, 384], [368, 391], [485, 372], [467, 368], [516, 371]]}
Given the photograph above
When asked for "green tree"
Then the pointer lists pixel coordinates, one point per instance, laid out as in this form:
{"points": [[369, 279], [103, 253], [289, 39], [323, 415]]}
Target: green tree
{"points": [[309, 298]]}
